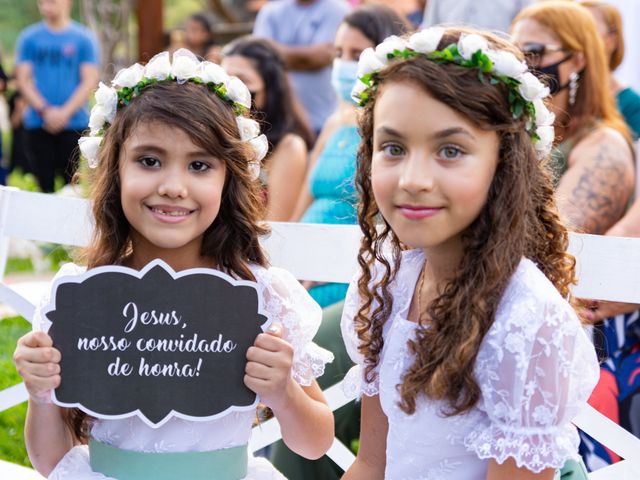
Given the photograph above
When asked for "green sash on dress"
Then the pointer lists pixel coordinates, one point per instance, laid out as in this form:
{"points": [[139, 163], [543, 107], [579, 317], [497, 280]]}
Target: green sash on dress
{"points": [[224, 464]]}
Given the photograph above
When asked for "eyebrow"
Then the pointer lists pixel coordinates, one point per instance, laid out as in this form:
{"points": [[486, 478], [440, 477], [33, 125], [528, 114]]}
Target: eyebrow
{"points": [[159, 150], [447, 132], [389, 131]]}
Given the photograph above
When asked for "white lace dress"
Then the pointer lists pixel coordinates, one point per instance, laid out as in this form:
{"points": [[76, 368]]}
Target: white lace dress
{"points": [[287, 302], [536, 368]]}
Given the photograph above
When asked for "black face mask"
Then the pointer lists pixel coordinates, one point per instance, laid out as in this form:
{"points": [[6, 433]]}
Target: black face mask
{"points": [[551, 76]]}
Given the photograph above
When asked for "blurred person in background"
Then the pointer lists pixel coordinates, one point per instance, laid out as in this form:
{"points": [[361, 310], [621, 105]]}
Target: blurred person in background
{"points": [[56, 70], [629, 71], [593, 163], [411, 10], [303, 32], [593, 166], [495, 15], [609, 24], [18, 156], [198, 34], [257, 63]]}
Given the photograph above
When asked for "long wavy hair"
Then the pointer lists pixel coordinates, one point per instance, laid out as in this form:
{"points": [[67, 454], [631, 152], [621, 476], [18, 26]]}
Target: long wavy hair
{"points": [[576, 30], [231, 241], [518, 220], [281, 113]]}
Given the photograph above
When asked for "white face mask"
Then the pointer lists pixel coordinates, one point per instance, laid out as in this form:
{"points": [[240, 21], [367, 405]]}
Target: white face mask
{"points": [[343, 77]]}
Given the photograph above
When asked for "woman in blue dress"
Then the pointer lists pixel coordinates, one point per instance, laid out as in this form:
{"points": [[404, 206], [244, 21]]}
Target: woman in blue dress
{"points": [[328, 195]]}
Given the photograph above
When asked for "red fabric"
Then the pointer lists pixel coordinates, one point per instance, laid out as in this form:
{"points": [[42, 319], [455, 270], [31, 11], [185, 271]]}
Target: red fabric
{"points": [[604, 399]]}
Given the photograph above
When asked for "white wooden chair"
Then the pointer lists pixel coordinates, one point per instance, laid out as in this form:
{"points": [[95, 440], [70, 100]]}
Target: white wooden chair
{"points": [[608, 268]]}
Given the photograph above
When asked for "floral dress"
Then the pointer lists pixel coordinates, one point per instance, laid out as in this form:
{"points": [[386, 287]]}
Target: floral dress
{"points": [[288, 303], [536, 368]]}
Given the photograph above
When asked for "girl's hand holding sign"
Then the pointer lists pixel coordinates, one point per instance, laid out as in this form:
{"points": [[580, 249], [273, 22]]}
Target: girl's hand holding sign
{"points": [[38, 363]]}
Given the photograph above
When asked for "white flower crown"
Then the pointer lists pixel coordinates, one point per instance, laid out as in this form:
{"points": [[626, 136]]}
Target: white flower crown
{"points": [[131, 82], [526, 92]]}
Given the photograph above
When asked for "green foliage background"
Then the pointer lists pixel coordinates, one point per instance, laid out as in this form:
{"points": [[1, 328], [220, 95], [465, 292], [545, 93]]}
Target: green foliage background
{"points": [[12, 447]]}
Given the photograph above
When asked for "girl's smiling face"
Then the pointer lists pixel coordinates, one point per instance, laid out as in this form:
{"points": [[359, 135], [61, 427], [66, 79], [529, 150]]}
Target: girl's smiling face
{"points": [[170, 190], [431, 167]]}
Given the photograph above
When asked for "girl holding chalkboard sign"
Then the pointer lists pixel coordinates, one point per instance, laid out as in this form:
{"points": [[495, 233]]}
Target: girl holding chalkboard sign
{"points": [[471, 361], [174, 160]]}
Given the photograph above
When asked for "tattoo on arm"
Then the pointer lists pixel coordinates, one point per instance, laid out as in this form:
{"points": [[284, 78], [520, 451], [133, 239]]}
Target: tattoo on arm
{"points": [[600, 197]]}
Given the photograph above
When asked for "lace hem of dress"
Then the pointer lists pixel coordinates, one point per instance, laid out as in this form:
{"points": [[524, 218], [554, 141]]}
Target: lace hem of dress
{"points": [[534, 451], [354, 385], [310, 363]]}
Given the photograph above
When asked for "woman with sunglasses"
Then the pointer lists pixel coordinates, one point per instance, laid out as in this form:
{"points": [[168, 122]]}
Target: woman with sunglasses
{"points": [[593, 161]]}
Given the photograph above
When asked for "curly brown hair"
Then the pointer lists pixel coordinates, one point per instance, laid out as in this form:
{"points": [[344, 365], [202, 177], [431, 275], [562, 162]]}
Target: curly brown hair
{"points": [[518, 220], [231, 241]]}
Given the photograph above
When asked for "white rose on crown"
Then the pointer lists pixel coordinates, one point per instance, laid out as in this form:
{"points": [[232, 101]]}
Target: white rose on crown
{"points": [[129, 77], [238, 92], [506, 63], [426, 41], [531, 88], [107, 98], [185, 65], [543, 116], [369, 62], [212, 73], [470, 44], [159, 67], [260, 145], [89, 147], [249, 129], [547, 135], [254, 169], [389, 45], [97, 119]]}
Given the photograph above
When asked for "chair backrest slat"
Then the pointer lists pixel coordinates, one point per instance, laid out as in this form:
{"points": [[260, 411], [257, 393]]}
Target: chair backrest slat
{"points": [[608, 268]]}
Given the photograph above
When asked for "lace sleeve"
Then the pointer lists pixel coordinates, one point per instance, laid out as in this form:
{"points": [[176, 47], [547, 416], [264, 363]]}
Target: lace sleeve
{"points": [[354, 382], [40, 322], [536, 369], [290, 304]]}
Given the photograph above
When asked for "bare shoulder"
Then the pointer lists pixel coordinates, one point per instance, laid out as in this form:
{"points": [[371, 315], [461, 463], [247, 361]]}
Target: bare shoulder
{"points": [[332, 122], [593, 193], [603, 144], [291, 150], [293, 143]]}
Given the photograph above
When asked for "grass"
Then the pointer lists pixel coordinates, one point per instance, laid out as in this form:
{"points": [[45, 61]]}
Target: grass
{"points": [[18, 265], [12, 447]]}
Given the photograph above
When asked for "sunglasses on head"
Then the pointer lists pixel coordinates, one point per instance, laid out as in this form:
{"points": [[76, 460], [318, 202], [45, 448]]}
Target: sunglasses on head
{"points": [[533, 52]]}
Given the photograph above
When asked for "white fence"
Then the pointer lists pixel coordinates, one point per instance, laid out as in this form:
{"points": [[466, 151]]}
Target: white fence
{"points": [[608, 268]]}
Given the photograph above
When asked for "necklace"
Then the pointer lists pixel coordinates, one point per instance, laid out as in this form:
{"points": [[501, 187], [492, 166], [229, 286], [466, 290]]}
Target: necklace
{"points": [[420, 287]]}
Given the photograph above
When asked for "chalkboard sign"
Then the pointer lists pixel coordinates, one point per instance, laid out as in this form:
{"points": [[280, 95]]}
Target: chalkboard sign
{"points": [[154, 343]]}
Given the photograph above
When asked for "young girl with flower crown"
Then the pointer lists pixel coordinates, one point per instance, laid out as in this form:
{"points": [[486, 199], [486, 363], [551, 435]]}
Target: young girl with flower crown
{"points": [[471, 361], [175, 177]]}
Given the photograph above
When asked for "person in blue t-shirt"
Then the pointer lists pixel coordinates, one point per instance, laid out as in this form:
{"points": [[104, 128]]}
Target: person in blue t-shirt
{"points": [[303, 33], [56, 70]]}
